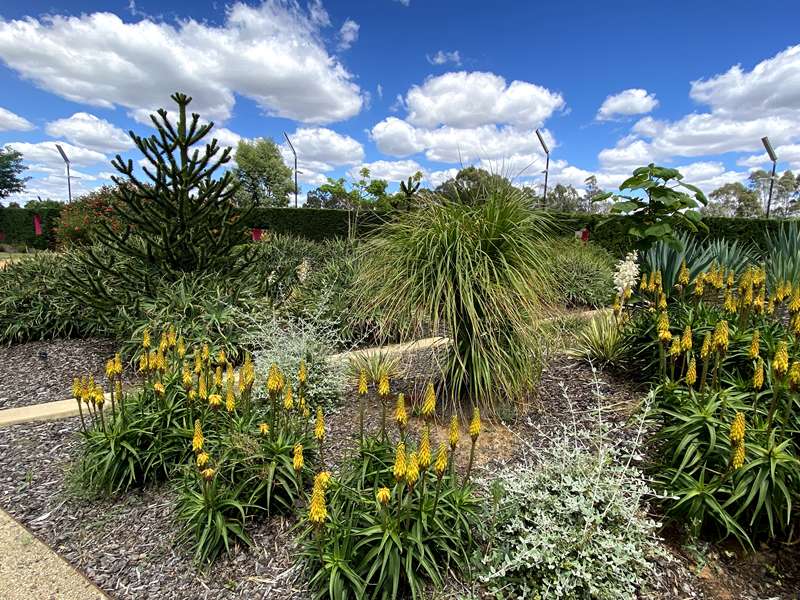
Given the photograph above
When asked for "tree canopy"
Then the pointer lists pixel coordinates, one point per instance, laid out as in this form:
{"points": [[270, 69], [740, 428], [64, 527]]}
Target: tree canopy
{"points": [[264, 179], [11, 170]]}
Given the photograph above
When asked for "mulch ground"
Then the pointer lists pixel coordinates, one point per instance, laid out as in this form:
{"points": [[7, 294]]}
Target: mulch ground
{"points": [[128, 545], [38, 372]]}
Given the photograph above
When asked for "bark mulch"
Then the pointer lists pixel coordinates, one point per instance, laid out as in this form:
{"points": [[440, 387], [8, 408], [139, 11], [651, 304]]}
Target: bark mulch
{"points": [[37, 372], [128, 546]]}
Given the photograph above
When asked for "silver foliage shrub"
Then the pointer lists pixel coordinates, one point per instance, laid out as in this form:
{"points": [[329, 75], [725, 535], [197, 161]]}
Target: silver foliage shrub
{"points": [[570, 525]]}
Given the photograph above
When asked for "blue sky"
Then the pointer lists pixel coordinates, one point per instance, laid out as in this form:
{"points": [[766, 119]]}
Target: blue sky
{"points": [[415, 85]]}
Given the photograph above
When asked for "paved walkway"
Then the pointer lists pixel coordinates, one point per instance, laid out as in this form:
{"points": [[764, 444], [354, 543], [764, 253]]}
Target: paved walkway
{"points": [[30, 570]]}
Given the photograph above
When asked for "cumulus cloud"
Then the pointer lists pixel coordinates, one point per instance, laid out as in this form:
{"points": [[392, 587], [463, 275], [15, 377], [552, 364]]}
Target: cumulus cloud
{"points": [[272, 54], [10, 121], [348, 34], [462, 99], [634, 101], [91, 132], [442, 58], [43, 155], [390, 170], [788, 154], [321, 150]]}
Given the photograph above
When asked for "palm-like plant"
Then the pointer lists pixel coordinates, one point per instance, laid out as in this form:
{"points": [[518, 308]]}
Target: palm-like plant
{"points": [[783, 249], [475, 269]]}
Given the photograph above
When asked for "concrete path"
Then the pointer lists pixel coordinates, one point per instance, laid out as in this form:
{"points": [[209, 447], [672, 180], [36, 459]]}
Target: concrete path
{"points": [[30, 570]]}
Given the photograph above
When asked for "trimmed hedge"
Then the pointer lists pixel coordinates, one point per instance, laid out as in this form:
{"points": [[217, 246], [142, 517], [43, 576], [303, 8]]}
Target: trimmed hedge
{"points": [[324, 223], [16, 224]]}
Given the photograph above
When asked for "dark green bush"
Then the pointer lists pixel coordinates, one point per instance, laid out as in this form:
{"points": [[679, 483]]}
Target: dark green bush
{"points": [[16, 225], [583, 273]]}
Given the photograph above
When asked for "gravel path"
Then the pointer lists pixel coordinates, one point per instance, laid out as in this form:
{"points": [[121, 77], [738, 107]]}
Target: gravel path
{"points": [[37, 372]]}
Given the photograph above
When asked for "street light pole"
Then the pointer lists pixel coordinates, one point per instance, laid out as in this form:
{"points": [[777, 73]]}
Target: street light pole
{"points": [[774, 158], [66, 160], [295, 166], [546, 167]]}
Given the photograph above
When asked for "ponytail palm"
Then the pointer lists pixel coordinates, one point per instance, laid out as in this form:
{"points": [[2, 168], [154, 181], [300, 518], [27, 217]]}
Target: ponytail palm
{"points": [[476, 270]]}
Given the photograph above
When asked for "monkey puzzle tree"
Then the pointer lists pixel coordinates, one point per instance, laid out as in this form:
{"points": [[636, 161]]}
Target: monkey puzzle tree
{"points": [[176, 217]]}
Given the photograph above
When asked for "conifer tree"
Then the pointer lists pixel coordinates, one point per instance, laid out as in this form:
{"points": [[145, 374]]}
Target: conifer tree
{"points": [[176, 218]]}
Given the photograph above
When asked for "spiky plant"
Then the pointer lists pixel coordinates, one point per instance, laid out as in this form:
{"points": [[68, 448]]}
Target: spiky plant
{"points": [[476, 270]]}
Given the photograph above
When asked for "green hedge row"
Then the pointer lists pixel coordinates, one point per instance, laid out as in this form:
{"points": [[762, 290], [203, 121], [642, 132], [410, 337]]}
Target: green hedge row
{"points": [[16, 226], [319, 224]]}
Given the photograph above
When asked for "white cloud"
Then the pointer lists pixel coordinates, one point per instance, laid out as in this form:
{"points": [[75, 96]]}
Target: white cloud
{"points": [[771, 88], [437, 178], [91, 132], [404, 2], [462, 99], [396, 137], [45, 154], [348, 34], [379, 89], [320, 150], [787, 154], [442, 57], [271, 53], [391, 171], [634, 101], [10, 121], [225, 137]]}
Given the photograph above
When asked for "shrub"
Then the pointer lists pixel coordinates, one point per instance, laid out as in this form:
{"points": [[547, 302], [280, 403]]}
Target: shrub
{"points": [[583, 273], [604, 341], [570, 525], [80, 220], [392, 523], [478, 271]]}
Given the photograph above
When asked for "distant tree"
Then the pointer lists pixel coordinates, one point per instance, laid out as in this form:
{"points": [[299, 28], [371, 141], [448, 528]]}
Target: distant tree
{"points": [[565, 198], [469, 181], [364, 192], [733, 200], [785, 191], [14, 205], [42, 204], [264, 179], [11, 170]]}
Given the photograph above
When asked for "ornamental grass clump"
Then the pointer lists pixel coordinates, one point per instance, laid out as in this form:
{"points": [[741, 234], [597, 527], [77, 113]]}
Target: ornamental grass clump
{"points": [[396, 518], [476, 271]]}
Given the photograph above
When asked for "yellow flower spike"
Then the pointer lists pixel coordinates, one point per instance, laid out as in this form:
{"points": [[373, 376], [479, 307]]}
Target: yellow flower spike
{"points": [[317, 511], [383, 496], [274, 380], [475, 424], [794, 303], [197, 440], [758, 375], [202, 390], [230, 398], [664, 334], [737, 459], [187, 379], [412, 470], [683, 274], [399, 469], [691, 372], [424, 456], [319, 425], [658, 279], [202, 459], [198, 363], [181, 348], [159, 388], [99, 397], [76, 388], [288, 398], [737, 428], [454, 433], [297, 461], [206, 353], [705, 349], [780, 363], [441, 461], [306, 412], [720, 340], [643, 283], [400, 414], [662, 301], [730, 303], [362, 383], [143, 362], [730, 281], [699, 286], [146, 338], [221, 358], [117, 364], [218, 377], [383, 385], [429, 401], [651, 285], [215, 401], [675, 348], [794, 324], [263, 429], [794, 376], [208, 473], [110, 368], [323, 479], [686, 339], [302, 372], [755, 343]]}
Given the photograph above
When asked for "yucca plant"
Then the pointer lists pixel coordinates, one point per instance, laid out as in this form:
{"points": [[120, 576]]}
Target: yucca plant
{"points": [[604, 341], [476, 270], [783, 252]]}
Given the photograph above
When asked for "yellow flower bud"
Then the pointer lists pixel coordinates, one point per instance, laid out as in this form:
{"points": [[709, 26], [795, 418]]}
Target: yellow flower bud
{"points": [[383, 496], [319, 427], [429, 402], [425, 450], [297, 461], [400, 462], [400, 414], [475, 424], [454, 432]]}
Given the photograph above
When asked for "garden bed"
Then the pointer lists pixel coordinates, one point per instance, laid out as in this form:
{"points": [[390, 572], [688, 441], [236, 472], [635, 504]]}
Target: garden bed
{"points": [[128, 548], [37, 372]]}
